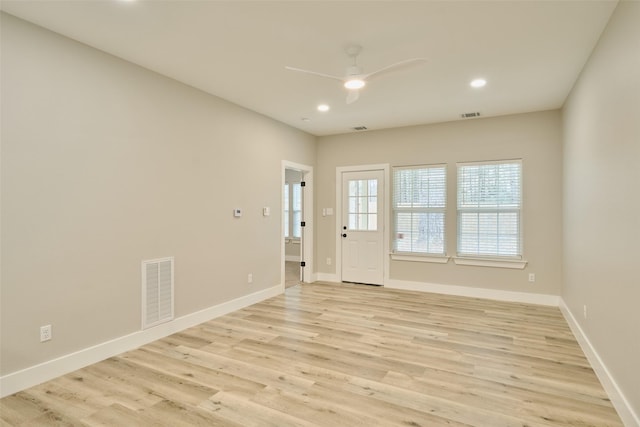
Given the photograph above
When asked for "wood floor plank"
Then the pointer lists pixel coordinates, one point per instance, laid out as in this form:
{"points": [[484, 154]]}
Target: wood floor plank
{"points": [[179, 367], [387, 413], [339, 354], [178, 414], [247, 413], [111, 390], [20, 408], [317, 410], [116, 415]]}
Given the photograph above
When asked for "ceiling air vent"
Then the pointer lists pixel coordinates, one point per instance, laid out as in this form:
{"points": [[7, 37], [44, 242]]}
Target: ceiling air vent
{"points": [[359, 128], [469, 115]]}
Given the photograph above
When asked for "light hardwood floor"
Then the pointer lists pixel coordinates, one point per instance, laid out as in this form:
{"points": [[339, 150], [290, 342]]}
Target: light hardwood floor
{"points": [[339, 355]]}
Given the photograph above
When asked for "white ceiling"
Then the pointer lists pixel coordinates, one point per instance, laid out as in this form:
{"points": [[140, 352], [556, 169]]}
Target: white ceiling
{"points": [[531, 52]]}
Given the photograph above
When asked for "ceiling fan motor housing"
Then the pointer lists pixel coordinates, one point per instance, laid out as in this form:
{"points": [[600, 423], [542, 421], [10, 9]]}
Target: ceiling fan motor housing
{"points": [[353, 71]]}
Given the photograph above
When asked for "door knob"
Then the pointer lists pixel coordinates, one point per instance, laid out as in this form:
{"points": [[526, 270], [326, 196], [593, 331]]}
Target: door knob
{"points": [[344, 234]]}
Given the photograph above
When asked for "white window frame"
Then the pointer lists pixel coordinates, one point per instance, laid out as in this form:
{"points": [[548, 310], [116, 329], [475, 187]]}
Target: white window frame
{"points": [[437, 257], [286, 202], [495, 259]]}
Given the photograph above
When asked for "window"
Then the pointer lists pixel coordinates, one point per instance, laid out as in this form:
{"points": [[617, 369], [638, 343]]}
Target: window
{"points": [[292, 201], [363, 204], [419, 205], [285, 202], [296, 208], [489, 202]]}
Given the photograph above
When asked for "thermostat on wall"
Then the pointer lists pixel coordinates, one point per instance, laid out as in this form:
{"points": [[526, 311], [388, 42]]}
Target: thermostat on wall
{"points": [[237, 212]]}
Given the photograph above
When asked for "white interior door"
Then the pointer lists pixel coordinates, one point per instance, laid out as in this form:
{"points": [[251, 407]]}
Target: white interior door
{"points": [[362, 230]]}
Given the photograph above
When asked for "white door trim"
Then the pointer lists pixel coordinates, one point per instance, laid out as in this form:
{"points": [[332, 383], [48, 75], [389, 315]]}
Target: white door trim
{"points": [[307, 211], [338, 232]]}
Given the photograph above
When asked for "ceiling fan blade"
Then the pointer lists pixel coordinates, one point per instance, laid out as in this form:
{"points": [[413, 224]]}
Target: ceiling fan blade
{"points": [[315, 73], [352, 96], [405, 63]]}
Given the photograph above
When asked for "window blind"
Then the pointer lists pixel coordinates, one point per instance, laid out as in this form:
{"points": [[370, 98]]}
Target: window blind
{"points": [[297, 210], [419, 206], [489, 203], [292, 212], [285, 202]]}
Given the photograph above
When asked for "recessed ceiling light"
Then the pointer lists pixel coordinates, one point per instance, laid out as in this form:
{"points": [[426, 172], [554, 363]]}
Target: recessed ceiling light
{"points": [[323, 107], [354, 84], [478, 83]]}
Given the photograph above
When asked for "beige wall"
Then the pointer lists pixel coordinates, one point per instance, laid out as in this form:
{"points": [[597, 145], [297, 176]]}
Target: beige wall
{"points": [[106, 164], [602, 199], [535, 137]]}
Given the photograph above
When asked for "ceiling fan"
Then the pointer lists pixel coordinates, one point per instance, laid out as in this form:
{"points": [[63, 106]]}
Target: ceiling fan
{"points": [[355, 79]]}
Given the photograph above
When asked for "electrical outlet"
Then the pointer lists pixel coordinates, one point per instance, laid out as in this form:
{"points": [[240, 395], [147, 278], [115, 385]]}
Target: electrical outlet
{"points": [[584, 310], [45, 333], [250, 278], [532, 277], [328, 261]]}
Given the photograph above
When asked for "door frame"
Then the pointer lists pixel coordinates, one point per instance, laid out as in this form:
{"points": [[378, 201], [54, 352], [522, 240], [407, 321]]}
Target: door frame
{"points": [[307, 216], [384, 167]]}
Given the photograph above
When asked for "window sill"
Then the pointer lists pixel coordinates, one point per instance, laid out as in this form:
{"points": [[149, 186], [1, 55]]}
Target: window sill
{"points": [[491, 262], [420, 258]]}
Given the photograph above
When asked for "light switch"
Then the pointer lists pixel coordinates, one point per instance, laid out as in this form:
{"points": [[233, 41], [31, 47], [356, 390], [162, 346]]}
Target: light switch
{"points": [[237, 212], [266, 211]]}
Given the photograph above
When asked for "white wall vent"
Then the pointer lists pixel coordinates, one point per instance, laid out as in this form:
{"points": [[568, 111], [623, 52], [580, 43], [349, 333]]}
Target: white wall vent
{"points": [[470, 115], [157, 291]]}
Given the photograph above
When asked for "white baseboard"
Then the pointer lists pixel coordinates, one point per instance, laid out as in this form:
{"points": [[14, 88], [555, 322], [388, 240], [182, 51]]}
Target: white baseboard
{"points": [[310, 277], [619, 401], [327, 277], [34, 375], [465, 291]]}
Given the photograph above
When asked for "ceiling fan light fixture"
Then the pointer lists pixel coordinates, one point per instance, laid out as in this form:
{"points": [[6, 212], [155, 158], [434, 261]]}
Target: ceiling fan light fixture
{"points": [[354, 83], [478, 83], [354, 79]]}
